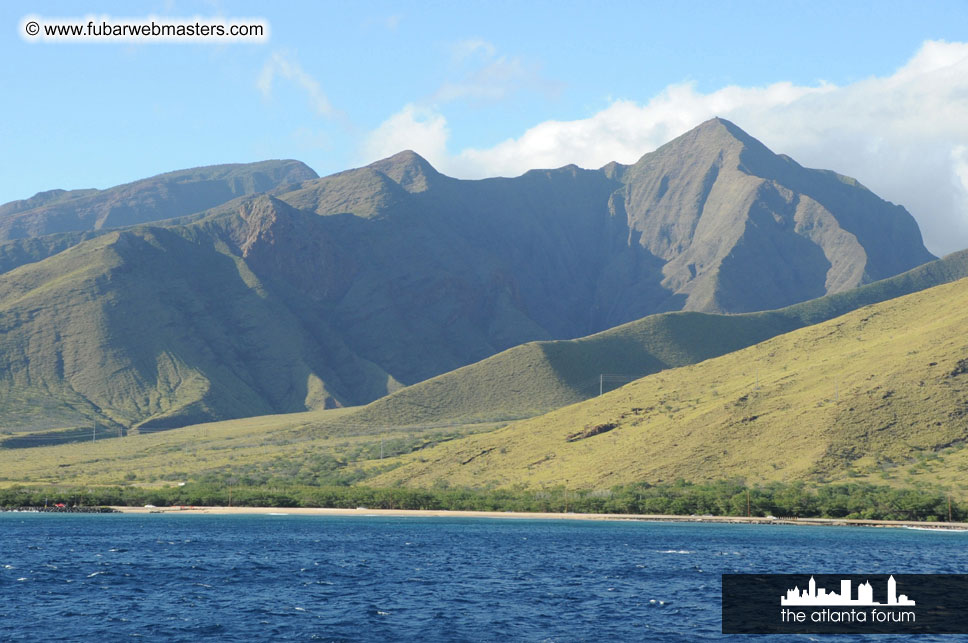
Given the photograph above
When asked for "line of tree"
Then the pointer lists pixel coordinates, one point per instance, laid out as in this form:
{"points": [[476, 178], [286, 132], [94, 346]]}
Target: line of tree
{"points": [[851, 500]]}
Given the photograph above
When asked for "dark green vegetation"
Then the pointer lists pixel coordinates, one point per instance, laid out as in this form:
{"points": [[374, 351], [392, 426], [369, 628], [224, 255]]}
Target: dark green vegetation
{"points": [[852, 501], [340, 290]]}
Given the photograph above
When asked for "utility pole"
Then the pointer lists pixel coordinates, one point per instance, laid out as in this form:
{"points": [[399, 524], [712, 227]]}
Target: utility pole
{"points": [[601, 380], [748, 513], [94, 433]]}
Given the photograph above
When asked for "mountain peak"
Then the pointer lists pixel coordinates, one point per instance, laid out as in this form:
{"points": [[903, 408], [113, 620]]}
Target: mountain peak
{"points": [[718, 142], [715, 121], [720, 135], [409, 170], [404, 157], [719, 125]]}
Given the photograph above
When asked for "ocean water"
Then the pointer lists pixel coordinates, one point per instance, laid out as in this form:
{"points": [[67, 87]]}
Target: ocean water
{"points": [[349, 578]]}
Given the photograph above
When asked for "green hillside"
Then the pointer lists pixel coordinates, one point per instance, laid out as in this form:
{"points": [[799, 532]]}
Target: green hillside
{"points": [[315, 447], [881, 392], [538, 377], [155, 328], [878, 395]]}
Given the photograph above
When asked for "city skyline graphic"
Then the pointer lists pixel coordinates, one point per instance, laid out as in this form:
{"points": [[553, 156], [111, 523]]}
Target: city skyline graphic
{"points": [[812, 595]]}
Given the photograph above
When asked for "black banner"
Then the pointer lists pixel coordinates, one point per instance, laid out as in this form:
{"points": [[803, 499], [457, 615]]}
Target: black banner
{"points": [[845, 604]]}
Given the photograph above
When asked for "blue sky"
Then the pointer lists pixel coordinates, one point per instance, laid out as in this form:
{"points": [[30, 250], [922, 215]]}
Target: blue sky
{"points": [[876, 90]]}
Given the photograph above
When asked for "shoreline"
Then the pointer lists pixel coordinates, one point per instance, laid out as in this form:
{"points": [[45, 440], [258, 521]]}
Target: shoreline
{"points": [[444, 513]]}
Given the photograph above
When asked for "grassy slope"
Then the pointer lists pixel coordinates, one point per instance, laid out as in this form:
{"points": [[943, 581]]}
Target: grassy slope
{"points": [[118, 341], [167, 326], [166, 455], [282, 447], [523, 381], [538, 377], [868, 392], [879, 394]]}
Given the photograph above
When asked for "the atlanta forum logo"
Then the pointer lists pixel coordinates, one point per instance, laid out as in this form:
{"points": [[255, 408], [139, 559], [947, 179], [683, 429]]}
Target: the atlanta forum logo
{"points": [[813, 597], [868, 603]]}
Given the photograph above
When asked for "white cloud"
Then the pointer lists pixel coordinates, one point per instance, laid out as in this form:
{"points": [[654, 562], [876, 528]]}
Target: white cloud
{"points": [[472, 47], [413, 128], [280, 65], [481, 75], [623, 131], [905, 136], [493, 82]]}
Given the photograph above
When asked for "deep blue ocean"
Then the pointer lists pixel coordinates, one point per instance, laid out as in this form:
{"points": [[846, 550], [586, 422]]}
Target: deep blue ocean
{"points": [[302, 578]]}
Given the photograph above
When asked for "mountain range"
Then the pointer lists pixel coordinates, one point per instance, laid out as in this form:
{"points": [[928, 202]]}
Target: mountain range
{"points": [[161, 197], [243, 290]]}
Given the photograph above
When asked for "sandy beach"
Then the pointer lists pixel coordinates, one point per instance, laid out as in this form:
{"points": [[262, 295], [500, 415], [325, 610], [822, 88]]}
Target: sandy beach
{"points": [[434, 513]]}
